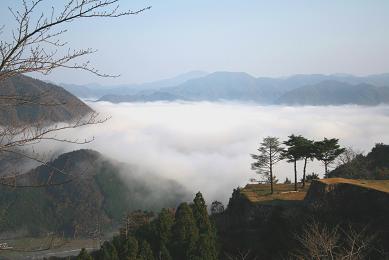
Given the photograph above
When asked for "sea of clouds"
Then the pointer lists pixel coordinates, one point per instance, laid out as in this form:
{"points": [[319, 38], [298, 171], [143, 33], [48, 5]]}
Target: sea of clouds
{"points": [[206, 146]]}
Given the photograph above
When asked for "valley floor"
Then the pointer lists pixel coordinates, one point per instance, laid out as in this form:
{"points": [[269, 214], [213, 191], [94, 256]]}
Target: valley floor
{"points": [[39, 248]]}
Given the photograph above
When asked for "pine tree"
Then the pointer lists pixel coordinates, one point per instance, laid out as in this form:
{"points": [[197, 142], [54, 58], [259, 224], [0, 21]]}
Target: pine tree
{"points": [[270, 153], [327, 151], [307, 148], [206, 247], [293, 153], [165, 223], [185, 233], [145, 252], [126, 248], [199, 209], [129, 249]]}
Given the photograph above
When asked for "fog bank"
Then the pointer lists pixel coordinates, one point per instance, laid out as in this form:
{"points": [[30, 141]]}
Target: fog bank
{"points": [[205, 146]]}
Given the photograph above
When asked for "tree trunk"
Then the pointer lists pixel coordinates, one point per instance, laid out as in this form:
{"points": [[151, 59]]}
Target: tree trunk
{"points": [[295, 174], [325, 169], [271, 178], [304, 170], [271, 171]]}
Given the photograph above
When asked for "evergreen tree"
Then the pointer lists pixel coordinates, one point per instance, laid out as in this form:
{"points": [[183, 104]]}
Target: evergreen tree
{"points": [[327, 151], [164, 253], [131, 248], [206, 247], [126, 248], [307, 149], [108, 251], [185, 233], [293, 153], [84, 255], [199, 209], [312, 176], [270, 153], [164, 225], [145, 252]]}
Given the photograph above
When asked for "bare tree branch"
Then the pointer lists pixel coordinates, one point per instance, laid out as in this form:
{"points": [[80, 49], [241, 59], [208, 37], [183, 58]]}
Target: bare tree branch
{"points": [[29, 50], [36, 45]]}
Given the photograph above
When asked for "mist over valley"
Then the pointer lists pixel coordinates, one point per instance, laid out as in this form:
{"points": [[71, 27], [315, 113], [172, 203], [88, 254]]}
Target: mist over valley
{"points": [[194, 130], [207, 145]]}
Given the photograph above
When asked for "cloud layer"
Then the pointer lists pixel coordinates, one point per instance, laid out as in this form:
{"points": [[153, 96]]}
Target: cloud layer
{"points": [[206, 146]]}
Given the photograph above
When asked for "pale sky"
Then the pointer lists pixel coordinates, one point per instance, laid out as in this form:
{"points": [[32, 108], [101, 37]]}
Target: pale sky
{"points": [[263, 38]]}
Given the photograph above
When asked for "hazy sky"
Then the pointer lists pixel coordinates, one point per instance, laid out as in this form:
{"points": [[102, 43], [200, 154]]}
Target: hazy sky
{"points": [[263, 38]]}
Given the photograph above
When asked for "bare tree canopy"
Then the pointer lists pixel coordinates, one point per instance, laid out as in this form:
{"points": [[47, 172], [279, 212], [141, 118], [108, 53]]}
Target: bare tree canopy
{"points": [[36, 46]]}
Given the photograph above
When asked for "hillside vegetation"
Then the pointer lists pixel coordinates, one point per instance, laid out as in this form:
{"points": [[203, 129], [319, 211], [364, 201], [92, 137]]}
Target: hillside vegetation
{"points": [[373, 165], [102, 192], [281, 225], [36, 101]]}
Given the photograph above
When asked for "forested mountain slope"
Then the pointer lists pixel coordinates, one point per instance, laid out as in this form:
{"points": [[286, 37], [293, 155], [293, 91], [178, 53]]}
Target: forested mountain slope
{"points": [[100, 192], [27, 100]]}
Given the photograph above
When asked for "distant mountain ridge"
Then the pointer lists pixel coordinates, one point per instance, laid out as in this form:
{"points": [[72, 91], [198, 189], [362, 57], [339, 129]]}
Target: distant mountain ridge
{"points": [[336, 93], [315, 89], [38, 101], [97, 91]]}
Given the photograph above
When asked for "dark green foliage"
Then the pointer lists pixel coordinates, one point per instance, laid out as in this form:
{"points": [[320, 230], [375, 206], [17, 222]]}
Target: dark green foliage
{"points": [[379, 156], [185, 233], [127, 248], [84, 255], [130, 248], [299, 148], [108, 251], [164, 253], [116, 193], [312, 176], [372, 166], [99, 195], [164, 225], [293, 153], [327, 151], [307, 149], [190, 234], [200, 214], [21, 210], [145, 252], [206, 247], [272, 230], [270, 153], [261, 231]]}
